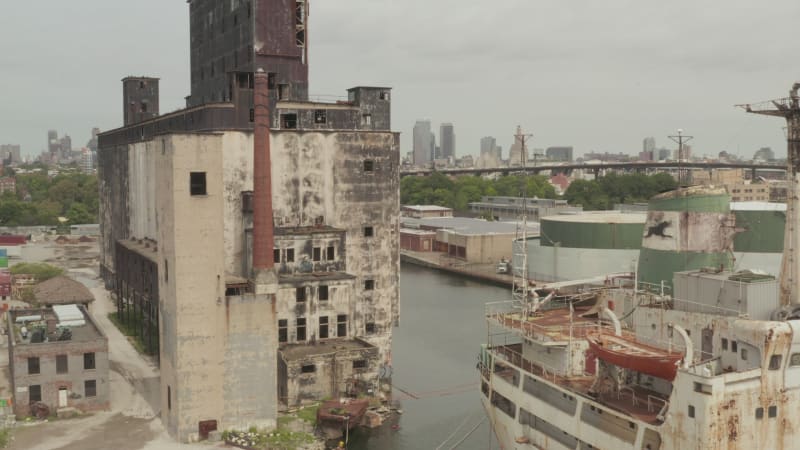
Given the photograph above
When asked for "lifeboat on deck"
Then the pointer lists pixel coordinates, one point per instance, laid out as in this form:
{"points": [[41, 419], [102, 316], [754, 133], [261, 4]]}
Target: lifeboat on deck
{"points": [[630, 354]]}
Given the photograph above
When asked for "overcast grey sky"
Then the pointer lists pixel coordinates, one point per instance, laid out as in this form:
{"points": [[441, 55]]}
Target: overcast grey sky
{"points": [[596, 75]]}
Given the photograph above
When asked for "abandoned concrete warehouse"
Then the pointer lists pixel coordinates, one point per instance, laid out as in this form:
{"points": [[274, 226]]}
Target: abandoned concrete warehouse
{"points": [[253, 236]]}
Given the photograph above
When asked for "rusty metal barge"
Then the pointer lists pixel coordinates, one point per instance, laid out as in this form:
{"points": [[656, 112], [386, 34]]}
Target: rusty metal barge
{"points": [[690, 351]]}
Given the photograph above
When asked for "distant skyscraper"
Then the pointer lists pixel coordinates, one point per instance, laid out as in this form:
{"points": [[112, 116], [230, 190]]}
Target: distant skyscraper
{"points": [[517, 155], [649, 144], [559, 153], [488, 143], [423, 139], [447, 141], [764, 154], [66, 148], [10, 153], [663, 153], [53, 144]]}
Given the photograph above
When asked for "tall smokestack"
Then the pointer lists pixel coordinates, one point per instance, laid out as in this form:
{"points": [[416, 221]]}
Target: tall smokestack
{"points": [[263, 239]]}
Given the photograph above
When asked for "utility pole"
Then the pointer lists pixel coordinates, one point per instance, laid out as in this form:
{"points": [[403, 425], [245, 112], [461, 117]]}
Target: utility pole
{"points": [[680, 138]]}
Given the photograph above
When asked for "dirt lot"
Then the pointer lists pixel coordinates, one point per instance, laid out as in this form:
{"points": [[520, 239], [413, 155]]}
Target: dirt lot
{"points": [[132, 422]]}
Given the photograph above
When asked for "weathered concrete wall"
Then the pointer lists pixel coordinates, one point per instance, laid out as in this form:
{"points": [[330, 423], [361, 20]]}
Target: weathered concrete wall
{"points": [[193, 287], [112, 176], [334, 374], [142, 188], [341, 300], [250, 385]]}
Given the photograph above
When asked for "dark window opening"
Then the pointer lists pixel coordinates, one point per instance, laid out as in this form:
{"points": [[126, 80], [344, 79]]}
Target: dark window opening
{"points": [[276, 255], [308, 368], [283, 92], [235, 20], [724, 344], [142, 85], [775, 362], [317, 254], [759, 413], [197, 183], [369, 285], [331, 254], [320, 116], [88, 361], [323, 293], [341, 325], [772, 411], [734, 346], [62, 364], [289, 255], [300, 36], [249, 10], [166, 271], [252, 115], [360, 364], [34, 393], [384, 95], [33, 366], [90, 388], [691, 411], [366, 119], [370, 328], [369, 165], [283, 326], [169, 398], [323, 327], [300, 294], [143, 107], [369, 231], [271, 80], [301, 329], [289, 121]]}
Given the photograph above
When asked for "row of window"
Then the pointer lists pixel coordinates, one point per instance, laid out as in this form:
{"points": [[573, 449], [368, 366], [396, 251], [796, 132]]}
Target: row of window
{"points": [[317, 254], [323, 292], [62, 364], [35, 391], [324, 328], [772, 412], [311, 368]]}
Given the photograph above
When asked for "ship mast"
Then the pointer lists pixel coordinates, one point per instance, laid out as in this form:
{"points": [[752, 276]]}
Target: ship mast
{"points": [[520, 278], [789, 109]]}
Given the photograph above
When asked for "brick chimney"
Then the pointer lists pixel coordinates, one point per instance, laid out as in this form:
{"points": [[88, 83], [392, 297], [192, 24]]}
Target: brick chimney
{"points": [[263, 239]]}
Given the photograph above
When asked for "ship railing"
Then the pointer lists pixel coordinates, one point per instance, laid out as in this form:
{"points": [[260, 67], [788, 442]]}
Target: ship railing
{"points": [[665, 302], [536, 331], [515, 358], [653, 402], [634, 400]]}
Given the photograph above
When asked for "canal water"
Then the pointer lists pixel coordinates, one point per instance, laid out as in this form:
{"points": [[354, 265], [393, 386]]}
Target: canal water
{"points": [[434, 355]]}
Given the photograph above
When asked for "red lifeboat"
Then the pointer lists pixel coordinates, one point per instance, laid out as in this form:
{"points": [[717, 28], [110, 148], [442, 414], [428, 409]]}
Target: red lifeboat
{"points": [[627, 353]]}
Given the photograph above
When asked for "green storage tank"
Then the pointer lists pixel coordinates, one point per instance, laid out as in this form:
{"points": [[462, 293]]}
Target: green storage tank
{"points": [[686, 229]]}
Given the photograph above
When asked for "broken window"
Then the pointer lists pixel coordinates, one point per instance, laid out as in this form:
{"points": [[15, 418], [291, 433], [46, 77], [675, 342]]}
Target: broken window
{"points": [[317, 254], [775, 362], [360, 364], [62, 364], [759, 413], [33, 366], [283, 92], [744, 354], [323, 293], [301, 329], [369, 231], [308, 368], [320, 116], [142, 85], [197, 183], [34, 393], [300, 36], [143, 107], [370, 328], [369, 285], [289, 255], [369, 165], [366, 119], [323, 327], [331, 253], [90, 388], [283, 328], [724, 344], [341, 325], [384, 95], [289, 121], [276, 255], [88, 361], [271, 80], [734, 346], [300, 294]]}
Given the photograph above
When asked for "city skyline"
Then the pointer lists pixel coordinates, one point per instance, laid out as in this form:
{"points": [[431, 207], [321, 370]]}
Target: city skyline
{"points": [[644, 81]]}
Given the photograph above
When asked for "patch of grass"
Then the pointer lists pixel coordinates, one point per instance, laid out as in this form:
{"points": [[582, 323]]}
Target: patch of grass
{"points": [[41, 271], [309, 414], [5, 437], [128, 330]]}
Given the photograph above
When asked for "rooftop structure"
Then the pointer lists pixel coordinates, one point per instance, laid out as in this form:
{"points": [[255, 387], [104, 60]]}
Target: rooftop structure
{"points": [[62, 290]]}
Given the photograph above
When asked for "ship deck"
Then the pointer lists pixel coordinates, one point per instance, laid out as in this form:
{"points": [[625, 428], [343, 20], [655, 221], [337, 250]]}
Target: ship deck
{"points": [[636, 401], [557, 325]]}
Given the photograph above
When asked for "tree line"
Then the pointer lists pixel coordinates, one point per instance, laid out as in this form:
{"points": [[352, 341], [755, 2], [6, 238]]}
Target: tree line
{"points": [[600, 194], [41, 200]]}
